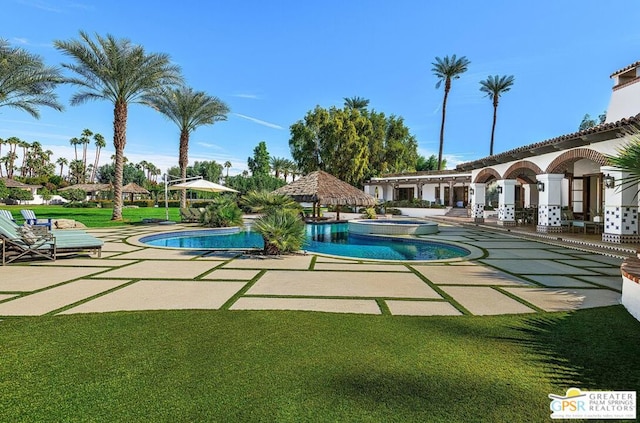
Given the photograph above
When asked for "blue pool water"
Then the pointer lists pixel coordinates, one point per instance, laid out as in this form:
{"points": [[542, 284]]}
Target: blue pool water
{"points": [[332, 239]]}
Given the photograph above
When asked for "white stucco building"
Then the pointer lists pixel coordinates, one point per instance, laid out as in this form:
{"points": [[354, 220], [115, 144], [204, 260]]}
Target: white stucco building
{"points": [[566, 173]]}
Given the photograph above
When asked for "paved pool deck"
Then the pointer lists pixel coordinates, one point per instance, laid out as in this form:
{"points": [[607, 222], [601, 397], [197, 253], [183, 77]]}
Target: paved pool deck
{"points": [[506, 274]]}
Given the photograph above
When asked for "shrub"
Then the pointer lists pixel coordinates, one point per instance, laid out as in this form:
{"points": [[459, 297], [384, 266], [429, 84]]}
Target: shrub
{"points": [[369, 213], [18, 194], [265, 202], [74, 195], [222, 212], [282, 231]]}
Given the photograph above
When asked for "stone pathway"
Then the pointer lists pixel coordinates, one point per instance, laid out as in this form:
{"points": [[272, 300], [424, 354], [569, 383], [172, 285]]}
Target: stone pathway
{"points": [[505, 275]]}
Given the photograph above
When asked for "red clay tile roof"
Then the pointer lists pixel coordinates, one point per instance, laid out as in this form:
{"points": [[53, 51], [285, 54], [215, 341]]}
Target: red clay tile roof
{"points": [[563, 142], [626, 68]]}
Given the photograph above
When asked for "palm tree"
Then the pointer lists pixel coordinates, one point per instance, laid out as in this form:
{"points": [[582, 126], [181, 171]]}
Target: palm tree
{"points": [[189, 110], [227, 165], [75, 142], [100, 144], [628, 159], [2, 142], [25, 82], [356, 103], [445, 70], [278, 164], [289, 167], [12, 156], [85, 140], [62, 162], [25, 147], [494, 87], [120, 72]]}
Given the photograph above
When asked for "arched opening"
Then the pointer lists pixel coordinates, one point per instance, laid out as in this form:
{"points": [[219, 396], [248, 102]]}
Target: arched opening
{"points": [[583, 186], [526, 192]]}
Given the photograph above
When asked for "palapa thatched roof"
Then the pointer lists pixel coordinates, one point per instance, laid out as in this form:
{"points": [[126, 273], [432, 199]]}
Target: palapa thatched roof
{"points": [[88, 187], [133, 188], [321, 187]]}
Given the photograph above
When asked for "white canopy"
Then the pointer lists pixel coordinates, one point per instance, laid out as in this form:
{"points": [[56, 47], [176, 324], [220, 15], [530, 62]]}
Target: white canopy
{"points": [[202, 185]]}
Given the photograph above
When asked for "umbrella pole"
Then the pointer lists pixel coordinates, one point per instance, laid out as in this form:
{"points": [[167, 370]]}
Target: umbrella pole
{"points": [[338, 212], [166, 202]]}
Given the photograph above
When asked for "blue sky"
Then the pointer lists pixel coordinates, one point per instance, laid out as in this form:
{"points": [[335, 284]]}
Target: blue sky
{"points": [[272, 61]]}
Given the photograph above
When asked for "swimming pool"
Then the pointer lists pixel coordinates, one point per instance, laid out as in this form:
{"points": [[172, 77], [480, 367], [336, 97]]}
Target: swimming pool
{"points": [[331, 239]]}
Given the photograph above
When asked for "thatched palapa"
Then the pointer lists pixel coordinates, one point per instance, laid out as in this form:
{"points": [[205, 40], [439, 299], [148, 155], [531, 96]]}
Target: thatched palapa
{"points": [[322, 188], [133, 188]]}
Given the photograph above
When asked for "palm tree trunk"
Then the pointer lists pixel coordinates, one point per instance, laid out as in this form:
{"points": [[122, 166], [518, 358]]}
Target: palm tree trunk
{"points": [[447, 87], [183, 162], [493, 127], [119, 141]]}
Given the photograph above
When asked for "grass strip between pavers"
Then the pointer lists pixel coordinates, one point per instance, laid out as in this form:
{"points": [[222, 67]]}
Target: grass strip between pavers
{"points": [[440, 292]]}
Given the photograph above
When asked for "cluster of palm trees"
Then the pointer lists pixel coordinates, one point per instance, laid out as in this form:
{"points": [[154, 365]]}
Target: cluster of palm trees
{"points": [[115, 70], [35, 160], [284, 167], [449, 68]]}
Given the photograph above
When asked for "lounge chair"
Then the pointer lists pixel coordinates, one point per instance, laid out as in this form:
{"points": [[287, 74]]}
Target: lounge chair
{"points": [[197, 213], [17, 242], [30, 218], [186, 216], [567, 220], [7, 214]]}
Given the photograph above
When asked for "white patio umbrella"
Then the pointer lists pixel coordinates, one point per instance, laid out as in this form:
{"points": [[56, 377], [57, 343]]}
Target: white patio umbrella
{"points": [[202, 185]]}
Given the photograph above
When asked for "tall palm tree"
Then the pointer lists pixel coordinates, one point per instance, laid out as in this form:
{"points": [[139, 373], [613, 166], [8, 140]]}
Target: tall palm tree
{"points": [[356, 103], [25, 147], [120, 72], [2, 142], [227, 165], [75, 142], [445, 70], [278, 165], [494, 87], [62, 162], [85, 140], [189, 110], [12, 156], [25, 82], [100, 144]]}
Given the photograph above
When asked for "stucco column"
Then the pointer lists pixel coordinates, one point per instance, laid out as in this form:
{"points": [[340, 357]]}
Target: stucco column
{"points": [[549, 202], [620, 208], [477, 197], [506, 202]]}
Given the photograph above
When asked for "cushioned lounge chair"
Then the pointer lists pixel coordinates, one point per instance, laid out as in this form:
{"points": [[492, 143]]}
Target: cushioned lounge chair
{"points": [[186, 216], [30, 217], [18, 242], [7, 214]]}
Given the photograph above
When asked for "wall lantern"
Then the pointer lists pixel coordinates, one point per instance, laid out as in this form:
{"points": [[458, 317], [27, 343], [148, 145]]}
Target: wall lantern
{"points": [[471, 191], [609, 181], [540, 186], [499, 189]]}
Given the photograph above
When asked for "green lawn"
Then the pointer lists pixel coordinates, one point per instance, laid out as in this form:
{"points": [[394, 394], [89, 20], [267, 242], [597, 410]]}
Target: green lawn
{"points": [[232, 366], [95, 218]]}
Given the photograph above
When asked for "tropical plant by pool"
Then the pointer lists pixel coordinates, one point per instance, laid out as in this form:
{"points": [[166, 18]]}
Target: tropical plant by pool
{"points": [[282, 231]]}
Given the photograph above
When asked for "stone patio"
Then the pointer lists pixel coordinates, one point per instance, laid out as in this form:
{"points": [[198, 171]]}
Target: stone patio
{"points": [[509, 275]]}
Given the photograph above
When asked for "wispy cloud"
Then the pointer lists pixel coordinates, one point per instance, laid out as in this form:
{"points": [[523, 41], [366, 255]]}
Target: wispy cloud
{"points": [[259, 122], [209, 145], [41, 5], [18, 40], [247, 95]]}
